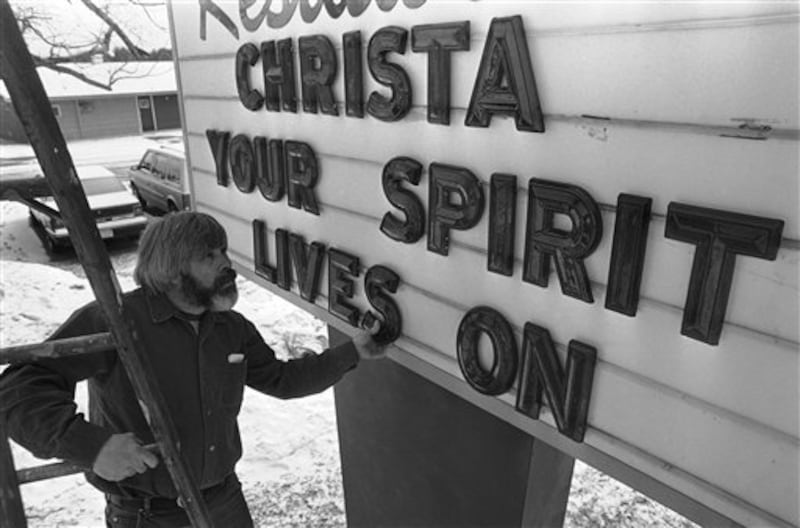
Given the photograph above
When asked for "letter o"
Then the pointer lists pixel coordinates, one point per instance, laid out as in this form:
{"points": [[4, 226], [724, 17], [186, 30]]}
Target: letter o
{"points": [[500, 378], [243, 163]]}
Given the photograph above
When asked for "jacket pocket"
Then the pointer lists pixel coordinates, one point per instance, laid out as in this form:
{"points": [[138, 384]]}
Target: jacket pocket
{"points": [[232, 382]]}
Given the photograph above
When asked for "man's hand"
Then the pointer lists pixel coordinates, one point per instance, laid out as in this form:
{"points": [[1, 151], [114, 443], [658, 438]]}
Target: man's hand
{"points": [[121, 457], [366, 346]]}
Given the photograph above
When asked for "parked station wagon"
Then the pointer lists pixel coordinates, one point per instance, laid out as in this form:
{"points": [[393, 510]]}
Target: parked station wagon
{"points": [[117, 212], [159, 180]]}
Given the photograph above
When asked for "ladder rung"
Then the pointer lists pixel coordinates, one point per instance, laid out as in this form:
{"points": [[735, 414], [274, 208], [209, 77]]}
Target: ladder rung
{"points": [[71, 346], [47, 471], [58, 469], [23, 187]]}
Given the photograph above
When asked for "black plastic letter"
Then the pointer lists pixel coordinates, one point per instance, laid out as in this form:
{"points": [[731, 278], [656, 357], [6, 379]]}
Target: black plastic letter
{"points": [[439, 40], [269, 168], [502, 222], [719, 237], [301, 176], [318, 68], [218, 142], [263, 269], [377, 281], [500, 377], [627, 253], [445, 213], [505, 83], [568, 395], [284, 259], [384, 41], [543, 240], [279, 76], [353, 74], [247, 56], [243, 163], [340, 286], [307, 261], [395, 172]]}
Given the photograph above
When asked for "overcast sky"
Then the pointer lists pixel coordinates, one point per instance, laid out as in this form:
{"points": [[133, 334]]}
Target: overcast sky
{"points": [[70, 20]]}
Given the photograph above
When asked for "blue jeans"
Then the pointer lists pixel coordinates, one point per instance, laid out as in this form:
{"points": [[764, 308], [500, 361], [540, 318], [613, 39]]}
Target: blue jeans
{"points": [[226, 505]]}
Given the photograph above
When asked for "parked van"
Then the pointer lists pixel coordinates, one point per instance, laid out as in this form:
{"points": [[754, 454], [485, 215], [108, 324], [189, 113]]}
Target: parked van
{"points": [[160, 180]]}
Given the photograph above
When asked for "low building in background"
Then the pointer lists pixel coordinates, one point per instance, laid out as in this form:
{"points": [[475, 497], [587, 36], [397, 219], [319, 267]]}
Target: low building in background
{"points": [[143, 98]]}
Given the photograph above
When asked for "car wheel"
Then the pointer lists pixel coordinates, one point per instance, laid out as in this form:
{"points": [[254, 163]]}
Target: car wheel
{"points": [[172, 207], [52, 246]]}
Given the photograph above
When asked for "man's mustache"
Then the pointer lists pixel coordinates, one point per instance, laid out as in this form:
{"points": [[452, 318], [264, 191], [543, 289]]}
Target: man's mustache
{"points": [[225, 278]]}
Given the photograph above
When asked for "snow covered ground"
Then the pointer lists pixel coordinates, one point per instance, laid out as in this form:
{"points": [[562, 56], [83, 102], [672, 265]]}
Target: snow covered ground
{"points": [[291, 470]]}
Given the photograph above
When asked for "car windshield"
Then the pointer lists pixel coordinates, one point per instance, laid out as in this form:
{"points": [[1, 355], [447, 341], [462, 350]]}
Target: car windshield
{"points": [[92, 186]]}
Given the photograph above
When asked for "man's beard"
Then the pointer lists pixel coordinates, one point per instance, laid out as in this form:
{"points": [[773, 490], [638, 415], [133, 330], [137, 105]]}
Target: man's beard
{"points": [[220, 297]]}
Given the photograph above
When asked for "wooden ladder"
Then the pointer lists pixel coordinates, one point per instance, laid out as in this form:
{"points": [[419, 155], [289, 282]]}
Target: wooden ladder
{"points": [[35, 112]]}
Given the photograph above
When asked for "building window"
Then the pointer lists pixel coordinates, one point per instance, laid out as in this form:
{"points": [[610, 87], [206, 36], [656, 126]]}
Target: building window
{"points": [[57, 110]]}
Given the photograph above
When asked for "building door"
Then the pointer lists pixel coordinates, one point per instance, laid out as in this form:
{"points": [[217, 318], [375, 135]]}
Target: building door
{"points": [[166, 109], [146, 113]]}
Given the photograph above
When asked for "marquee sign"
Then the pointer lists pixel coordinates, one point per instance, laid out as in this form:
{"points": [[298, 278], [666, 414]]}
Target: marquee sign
{"points": [[587, 215]]}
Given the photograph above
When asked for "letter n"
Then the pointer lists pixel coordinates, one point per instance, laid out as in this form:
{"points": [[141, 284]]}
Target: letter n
{"points": [[568, 395]]}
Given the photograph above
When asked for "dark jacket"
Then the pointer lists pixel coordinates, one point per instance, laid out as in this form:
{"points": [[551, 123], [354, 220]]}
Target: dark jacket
{"points": [[201, 381]]}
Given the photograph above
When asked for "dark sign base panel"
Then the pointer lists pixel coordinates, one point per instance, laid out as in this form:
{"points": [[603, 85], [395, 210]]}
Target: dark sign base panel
{"points": [[415, 454]]}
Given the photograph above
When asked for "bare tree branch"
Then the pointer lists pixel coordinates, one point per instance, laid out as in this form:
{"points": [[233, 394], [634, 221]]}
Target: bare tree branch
{"points": [[29, 21], [69, 71], [59, 46], [145, 7], [137, 52], [121, 72]]}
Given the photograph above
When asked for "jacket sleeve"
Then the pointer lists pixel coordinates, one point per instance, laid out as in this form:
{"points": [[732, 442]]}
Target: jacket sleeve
{"points": [[297, 377], [37, 399]]}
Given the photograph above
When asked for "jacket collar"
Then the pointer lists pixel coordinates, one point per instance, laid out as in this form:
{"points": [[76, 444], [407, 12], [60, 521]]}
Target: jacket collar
{"points": [[162, 309], [159, 306]]}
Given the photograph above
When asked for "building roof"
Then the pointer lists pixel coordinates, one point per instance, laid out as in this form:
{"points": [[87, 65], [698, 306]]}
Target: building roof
{"points": [[130, 78]]}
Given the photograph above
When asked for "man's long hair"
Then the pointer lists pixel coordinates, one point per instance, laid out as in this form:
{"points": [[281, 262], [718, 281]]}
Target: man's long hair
{"points": [[170, 243]]}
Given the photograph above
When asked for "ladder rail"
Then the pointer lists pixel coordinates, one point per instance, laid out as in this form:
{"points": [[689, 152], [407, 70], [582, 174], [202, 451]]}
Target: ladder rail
{"points": [[35, 113], [11, 512]]}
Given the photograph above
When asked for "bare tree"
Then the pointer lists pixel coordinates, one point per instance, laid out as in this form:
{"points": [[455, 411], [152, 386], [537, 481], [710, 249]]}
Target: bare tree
{"points": [[59, 47]]}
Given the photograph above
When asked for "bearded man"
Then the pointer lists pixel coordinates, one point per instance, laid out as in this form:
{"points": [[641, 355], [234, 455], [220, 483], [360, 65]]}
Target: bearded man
{"points": [[203, 354]]}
